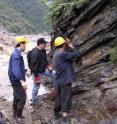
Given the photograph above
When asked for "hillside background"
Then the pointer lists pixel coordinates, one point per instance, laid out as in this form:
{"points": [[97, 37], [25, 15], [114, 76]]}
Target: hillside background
{"points": [[24, 16]]}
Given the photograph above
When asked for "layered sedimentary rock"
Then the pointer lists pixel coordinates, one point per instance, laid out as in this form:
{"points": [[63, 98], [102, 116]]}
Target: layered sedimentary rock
{"points": [[92, 28]]}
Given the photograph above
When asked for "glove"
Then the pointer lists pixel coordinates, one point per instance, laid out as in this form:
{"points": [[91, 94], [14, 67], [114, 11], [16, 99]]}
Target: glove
{"points": [[37, 79]]}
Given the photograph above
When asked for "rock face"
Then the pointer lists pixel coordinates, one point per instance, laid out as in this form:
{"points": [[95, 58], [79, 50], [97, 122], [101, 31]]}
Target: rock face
{"points": [[93, 30]]}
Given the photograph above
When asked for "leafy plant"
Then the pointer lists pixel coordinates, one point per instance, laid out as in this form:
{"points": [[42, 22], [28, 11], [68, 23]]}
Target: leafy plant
{"points": [[62, 8], [114, 55]]}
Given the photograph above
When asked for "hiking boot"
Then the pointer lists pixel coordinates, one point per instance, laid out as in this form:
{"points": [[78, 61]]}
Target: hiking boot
{"points": [[20, 121], [15, 116], [57, 115], [23, 117], [66, 120], [33, 104]]}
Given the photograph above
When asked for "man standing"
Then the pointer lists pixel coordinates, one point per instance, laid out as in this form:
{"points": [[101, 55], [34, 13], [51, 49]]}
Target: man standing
{"points": [[16, 74], [65, 76], [38, 64]]}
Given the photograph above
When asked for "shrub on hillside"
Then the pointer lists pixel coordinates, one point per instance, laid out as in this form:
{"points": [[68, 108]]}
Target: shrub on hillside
{"points": [[63, 7]]}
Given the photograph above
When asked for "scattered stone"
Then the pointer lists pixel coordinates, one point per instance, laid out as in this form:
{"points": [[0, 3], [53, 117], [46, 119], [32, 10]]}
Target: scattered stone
{"points": [[3, 119]]}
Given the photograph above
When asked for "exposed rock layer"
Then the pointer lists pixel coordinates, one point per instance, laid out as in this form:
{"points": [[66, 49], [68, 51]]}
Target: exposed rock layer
{"points": [[93, 30]]}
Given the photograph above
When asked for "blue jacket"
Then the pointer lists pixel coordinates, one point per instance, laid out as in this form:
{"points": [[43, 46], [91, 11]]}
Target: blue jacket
{"points": [[16, 69], [63, 63]]}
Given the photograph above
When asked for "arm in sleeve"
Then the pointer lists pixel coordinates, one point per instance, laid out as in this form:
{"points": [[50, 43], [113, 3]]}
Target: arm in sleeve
{"points": [[16, 69], [33, 59], [71, 55]]}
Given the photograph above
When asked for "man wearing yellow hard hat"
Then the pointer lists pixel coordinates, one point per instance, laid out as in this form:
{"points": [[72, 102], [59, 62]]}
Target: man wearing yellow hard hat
{"points": [[21, 40], [17, 78], [65, 76]]}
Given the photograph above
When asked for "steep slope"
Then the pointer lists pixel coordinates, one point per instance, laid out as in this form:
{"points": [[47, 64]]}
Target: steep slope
{"points": [[22, 16]]}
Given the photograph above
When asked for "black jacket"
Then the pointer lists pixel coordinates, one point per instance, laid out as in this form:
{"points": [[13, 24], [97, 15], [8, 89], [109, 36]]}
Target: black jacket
{"points": [[38, 61]]}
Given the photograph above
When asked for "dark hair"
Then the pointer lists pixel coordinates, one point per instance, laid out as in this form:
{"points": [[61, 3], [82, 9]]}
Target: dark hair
{"points": [[41, 41], [18, 45]]}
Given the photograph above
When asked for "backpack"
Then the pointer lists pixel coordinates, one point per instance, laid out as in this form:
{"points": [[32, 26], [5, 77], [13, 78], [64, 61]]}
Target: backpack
{"points": [[37, 61], [29, 59]]}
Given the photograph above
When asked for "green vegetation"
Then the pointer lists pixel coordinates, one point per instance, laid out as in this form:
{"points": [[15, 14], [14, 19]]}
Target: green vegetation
{"points": [[24, 16], [63, 7], [114, 55]]}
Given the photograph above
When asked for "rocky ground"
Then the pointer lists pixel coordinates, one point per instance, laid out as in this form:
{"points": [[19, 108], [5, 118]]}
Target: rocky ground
{"points": [[43, 112]]}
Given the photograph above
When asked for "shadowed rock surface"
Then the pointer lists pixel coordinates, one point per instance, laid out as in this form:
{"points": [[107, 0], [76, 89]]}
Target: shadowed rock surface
{"points": [[92, 28]]}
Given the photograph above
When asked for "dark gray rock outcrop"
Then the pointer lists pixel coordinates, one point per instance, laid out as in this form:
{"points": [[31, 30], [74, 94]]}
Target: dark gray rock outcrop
{"points": [[93, 30]]}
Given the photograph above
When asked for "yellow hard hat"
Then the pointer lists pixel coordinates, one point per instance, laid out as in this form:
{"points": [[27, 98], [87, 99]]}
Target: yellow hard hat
{"points": [[20, 39], [59, 41]]}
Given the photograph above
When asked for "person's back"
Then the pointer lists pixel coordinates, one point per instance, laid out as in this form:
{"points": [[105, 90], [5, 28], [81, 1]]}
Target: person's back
{"points": [[37, 61], [64, 68]]}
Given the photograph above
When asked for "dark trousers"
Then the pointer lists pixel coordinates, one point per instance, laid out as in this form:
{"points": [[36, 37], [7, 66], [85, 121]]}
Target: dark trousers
{"points": [[19, 100], [63, 98]]}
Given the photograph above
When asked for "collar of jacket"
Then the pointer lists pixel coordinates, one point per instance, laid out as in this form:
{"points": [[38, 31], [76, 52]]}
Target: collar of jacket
{"points": [[18, 52]]}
